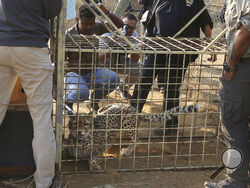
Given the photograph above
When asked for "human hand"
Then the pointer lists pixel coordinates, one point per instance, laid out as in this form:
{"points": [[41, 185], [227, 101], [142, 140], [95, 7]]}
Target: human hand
{"points": [[228, 75], [213, 58]]}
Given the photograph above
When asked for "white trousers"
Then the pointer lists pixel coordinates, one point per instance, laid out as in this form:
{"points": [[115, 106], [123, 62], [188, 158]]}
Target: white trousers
{"points": [[35, 70]]}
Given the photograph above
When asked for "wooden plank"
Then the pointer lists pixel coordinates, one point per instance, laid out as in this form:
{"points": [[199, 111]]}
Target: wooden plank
{"points": [[18, 99], [16, 171]]}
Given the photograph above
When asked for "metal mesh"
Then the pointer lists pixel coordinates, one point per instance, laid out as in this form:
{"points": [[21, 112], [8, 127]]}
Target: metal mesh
{"points": [[100, 71], [194, 143]]}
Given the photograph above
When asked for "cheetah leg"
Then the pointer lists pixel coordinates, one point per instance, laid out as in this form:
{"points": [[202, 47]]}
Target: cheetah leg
{"points": [[125, 152]]}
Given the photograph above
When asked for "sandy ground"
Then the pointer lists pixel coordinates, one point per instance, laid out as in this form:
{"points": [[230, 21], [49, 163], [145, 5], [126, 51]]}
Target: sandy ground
{"points": [[153, 179]]}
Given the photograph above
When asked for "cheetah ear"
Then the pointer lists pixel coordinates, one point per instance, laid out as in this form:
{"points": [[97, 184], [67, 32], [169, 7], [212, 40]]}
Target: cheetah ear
{"points": [[91, 116], [72, 120]]}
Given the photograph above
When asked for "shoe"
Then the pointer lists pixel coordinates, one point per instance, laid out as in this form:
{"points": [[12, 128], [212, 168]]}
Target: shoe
{"points": [[68, 110], [57, 181], [94, 106], [226, 183], [161, 90], [122, 90], [124, 94]]}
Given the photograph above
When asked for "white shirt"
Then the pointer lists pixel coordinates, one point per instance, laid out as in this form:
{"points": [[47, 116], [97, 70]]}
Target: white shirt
{"points": [[237, 13]]}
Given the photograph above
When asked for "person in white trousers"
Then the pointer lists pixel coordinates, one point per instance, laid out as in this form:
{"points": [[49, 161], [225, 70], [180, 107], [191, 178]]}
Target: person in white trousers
{"points": [[24, 33]]}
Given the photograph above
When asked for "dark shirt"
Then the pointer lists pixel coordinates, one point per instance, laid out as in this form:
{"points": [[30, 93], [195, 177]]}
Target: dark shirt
{"points": [[98, 30], [87, 58], [169, 16], [26, 22]]}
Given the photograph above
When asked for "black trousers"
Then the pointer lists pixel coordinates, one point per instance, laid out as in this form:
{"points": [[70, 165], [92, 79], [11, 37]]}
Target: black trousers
{"points": [[169, 69], [235, 110]]}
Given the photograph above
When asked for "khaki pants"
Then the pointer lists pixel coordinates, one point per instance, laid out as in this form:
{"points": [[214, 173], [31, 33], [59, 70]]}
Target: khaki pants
{"points": [[34, 68]]}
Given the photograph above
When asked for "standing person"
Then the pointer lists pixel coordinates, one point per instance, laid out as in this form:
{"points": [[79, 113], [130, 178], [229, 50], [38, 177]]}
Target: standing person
{"points": [[167, 18], [124, 64], [102, 81], [235, 92], [24, 33], [144, 15]]}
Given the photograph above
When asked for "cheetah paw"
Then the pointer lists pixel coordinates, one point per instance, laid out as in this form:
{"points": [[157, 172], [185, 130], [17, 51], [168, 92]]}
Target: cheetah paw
{"points": [[94, 165]]}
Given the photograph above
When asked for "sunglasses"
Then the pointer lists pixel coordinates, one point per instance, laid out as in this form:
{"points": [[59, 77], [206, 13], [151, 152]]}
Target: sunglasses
{"points": [[127, 27]]}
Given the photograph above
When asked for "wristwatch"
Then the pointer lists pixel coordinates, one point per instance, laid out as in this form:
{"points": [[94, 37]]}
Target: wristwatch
{"points": [[227, 68]]}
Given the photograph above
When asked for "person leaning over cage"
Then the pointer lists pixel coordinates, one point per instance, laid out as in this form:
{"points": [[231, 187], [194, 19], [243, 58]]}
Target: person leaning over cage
{"points": [[124, 65], [167, 18], [102, 81], [235, 92], [24, 33]]}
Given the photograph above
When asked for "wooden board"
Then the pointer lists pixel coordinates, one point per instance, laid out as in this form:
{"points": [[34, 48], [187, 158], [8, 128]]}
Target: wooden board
{"points": [[16, 134], [18, 100]]}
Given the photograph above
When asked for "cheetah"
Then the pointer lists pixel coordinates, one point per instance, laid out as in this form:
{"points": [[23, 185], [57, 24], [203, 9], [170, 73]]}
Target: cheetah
{"points": [[93, 132]]}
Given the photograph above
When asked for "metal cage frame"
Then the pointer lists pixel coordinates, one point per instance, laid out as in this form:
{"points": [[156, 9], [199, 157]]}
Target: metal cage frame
{"points": [[120, 44]]}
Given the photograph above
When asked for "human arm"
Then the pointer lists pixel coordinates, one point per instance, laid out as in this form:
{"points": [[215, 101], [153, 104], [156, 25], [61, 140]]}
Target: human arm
{"points": [[206, 25], [208, 33], [239, 47], [103, 56], [115, 18], [52, 8]]}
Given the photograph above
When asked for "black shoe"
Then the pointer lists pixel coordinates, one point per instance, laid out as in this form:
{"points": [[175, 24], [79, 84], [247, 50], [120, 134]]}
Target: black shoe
{"points": [[122, 90], [68, 109], [226, 183], [95, 106], [57, 181], [124, 94]]}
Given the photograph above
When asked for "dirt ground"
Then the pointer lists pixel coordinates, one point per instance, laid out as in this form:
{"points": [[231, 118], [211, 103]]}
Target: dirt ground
{"points": [[152, 179], [144, 179]]}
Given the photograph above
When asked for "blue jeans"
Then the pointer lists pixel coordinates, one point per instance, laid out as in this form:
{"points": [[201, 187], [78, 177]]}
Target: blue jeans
{"points": [[102, 82]]}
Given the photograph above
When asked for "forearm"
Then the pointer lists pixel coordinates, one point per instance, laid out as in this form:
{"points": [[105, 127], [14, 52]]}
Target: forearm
{"points": [[240, 46], [116, 19], [208, 31]]}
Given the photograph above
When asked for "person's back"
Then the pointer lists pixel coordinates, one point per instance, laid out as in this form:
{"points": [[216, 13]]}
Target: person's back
{"points": [[170, 16], [26, 22]]}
